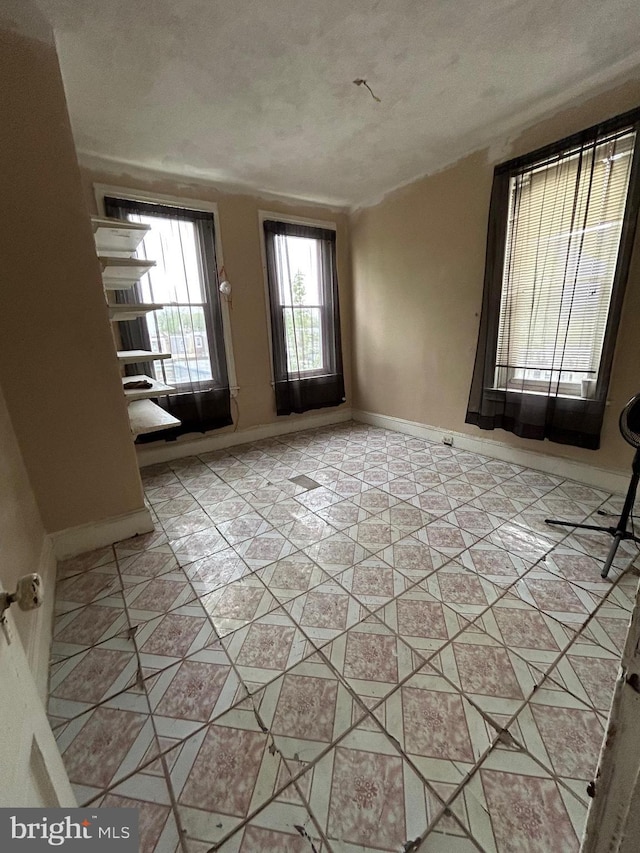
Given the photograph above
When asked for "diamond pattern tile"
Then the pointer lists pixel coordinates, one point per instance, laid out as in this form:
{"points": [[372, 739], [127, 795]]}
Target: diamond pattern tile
{"points": [[284, 824], [496, 564], [267, 647], [423, 622], [210, 573], [512, 803], [589, 672], [563, 733], [415, 559], [326, 611], [306, 710], [531, 633], [344, 639], [373, 582], [167, 639], [84, 562], [154, 597], [90, 678], [495, 679], [372, 659], [566, 602], [222, 774], [87, 587], [446, 538], [232, 606], [292, 576], [78, 630], [466, 592], [149, 794], [441, 732], [103, 746], [366, 796], [195, 691]]}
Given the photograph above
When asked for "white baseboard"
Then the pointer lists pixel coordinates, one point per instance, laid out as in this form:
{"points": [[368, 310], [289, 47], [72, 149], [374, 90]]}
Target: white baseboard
{"points": [[599, 478], [87, 537], [150, 454]]}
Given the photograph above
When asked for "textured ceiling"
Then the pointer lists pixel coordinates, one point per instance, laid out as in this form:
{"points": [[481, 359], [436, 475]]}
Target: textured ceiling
{"points": [[260, 94]]}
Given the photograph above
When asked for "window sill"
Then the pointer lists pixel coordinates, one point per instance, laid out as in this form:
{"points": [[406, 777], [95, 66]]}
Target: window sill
{"points": [[499, 394]]}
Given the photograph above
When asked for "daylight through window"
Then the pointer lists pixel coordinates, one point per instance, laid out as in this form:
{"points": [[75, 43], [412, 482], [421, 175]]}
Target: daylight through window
{"points": [[563, 234]]}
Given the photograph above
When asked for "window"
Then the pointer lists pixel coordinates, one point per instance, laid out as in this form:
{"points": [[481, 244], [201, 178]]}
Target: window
{"points": [[561, 229], [189, 325], [177, 282], [304, 312], [563, 234]]}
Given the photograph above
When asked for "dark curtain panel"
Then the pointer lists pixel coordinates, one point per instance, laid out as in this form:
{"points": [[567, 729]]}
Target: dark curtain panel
{"points": [[305, 317], [190, 327], [561, 228]]}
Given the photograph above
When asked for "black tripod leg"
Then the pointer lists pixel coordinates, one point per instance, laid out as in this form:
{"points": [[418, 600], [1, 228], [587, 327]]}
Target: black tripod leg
{"points": [[627, 509], [612, 553], [597, 527]]}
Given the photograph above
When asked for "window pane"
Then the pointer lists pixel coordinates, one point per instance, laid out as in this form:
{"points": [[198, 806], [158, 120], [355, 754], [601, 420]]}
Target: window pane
{"points": [[173, 245], [303, 333], [177, 282], [298, 277], [562, 241], [182, 332]]}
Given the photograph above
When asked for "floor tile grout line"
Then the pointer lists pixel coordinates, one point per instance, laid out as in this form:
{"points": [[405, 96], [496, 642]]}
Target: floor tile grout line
{"points": [[368, 712], [489, 489], [477, 616], [557, 777], [366, 607]]}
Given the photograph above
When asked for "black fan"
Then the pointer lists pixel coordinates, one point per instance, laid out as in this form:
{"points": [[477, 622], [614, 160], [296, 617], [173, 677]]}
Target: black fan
{"points": [[630, 429]]}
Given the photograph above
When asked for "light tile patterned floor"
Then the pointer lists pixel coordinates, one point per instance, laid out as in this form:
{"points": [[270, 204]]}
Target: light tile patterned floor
{"points": [[343, 640]]}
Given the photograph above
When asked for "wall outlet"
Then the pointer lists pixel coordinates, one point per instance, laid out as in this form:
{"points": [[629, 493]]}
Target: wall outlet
{"points": [[448, 440]]}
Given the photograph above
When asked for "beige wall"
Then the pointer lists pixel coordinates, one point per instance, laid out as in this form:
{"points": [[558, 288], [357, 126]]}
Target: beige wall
{"points": [[240, 237], [418, 264], [24, 549], [57, 365]]}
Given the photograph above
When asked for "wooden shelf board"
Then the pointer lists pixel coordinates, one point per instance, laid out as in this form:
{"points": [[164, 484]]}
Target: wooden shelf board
{"points": [[121, 273], [132, 356], [117, 236], [121, 312], [118, 284], [145, 416], [157, 388]]}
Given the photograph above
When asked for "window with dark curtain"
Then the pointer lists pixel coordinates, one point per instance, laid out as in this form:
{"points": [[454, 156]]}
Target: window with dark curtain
{"points": [[562, 222], [305, 316], [189, 326]]}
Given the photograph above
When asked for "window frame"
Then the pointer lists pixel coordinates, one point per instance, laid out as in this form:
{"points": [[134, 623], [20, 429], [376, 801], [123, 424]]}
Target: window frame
{"points": [[294, 220], [506, 378], [102, 190], [541, 156]]}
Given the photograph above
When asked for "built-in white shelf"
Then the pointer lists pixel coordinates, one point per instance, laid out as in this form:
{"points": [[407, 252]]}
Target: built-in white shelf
{"points": [[131, 356], [145, 416], [117, 237], [116, 242], [123, 273], [121, 312], [157, 388]]}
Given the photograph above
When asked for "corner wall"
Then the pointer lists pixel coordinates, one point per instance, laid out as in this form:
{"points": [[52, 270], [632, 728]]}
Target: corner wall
{"points": [[24, 548], [418, 266], [57, 363]]}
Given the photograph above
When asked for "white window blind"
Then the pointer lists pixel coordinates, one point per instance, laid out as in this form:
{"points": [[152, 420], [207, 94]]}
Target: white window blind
{"points": [[562, 240]]}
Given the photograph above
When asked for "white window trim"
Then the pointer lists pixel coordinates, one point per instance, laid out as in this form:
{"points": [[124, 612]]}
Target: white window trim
{"points": [[294, 220], [102, 190]]}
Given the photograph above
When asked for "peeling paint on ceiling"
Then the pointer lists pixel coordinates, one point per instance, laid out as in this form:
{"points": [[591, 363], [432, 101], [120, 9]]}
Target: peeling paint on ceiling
{"points": [[260, 94]]}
